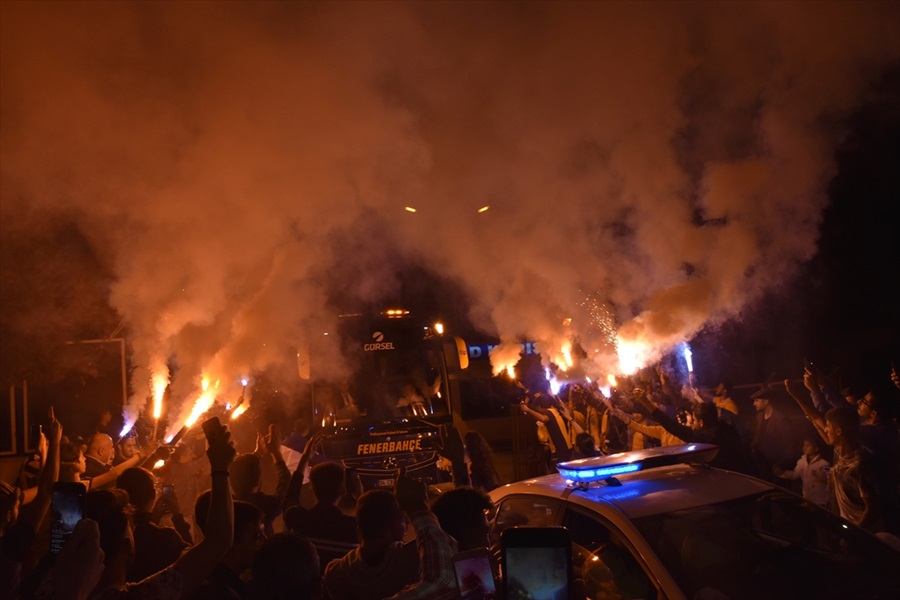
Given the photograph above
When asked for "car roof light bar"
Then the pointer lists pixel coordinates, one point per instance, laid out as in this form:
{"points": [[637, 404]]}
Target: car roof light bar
{"points": [[604, 468], [590, 475]]}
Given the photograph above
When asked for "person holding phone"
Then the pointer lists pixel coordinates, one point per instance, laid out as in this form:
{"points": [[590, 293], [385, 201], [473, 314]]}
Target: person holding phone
{"points": [[155, 546], [463, 513], [191, 569], [19, 524]]}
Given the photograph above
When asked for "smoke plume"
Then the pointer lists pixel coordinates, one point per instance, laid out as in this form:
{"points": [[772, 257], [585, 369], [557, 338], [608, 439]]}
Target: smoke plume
{"points": [[236, 163]]}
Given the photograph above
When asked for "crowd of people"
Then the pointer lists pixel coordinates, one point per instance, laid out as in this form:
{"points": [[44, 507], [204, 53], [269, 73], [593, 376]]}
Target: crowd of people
{"points": [[846, 459], [196, 521]]}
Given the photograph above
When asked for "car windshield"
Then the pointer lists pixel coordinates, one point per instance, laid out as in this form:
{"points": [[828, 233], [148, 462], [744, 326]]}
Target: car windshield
{"points": [[770, 545]]}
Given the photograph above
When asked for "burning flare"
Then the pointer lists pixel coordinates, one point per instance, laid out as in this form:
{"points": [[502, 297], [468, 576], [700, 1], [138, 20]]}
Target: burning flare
{"points": [[204, 402], [239, 410], [633, 355], [504, 358], [159, 381]]}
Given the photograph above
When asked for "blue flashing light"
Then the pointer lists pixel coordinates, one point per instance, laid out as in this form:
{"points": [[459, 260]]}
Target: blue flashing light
{"points": [[590, 475], [589, 470]]}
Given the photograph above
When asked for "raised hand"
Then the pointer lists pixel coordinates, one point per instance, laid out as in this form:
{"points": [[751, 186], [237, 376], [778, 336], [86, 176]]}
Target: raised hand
{"points": [[809, 379], [412, 494], [54, 429], [220, 450], [79, 565], [272, 440], [312, 446]]}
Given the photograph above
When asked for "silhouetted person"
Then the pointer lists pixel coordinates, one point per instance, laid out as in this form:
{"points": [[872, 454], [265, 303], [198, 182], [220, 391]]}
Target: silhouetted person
{"points": [[248, 535], [382, 564], [462, 512], [853, 476], [108, 509], [878, 433], [246, 475], [324, 521], [155, 547], [708, 429], [286, 567], [773, 440], [482, 472]]}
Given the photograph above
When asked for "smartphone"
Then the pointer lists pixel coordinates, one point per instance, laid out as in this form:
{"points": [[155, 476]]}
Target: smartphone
{"points": [[168, 490], [35, 437], [536, 562], [212, 428], [476, 576], [67, 508]]}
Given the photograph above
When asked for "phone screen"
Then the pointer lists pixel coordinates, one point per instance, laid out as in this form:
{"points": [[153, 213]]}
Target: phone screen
{"points": [[536, 562], [67, 506], [35, 437], [541, 573], [475, 576]]}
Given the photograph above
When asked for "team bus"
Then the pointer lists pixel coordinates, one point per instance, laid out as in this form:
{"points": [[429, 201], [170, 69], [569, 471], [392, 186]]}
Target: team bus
{"points": [[396, 407]]}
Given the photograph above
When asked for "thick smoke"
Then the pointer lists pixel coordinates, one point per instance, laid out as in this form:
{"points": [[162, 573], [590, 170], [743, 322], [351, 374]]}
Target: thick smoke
{"points": [[236, 163]]}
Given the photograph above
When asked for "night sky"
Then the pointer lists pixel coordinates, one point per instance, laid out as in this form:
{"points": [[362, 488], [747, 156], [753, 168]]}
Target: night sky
{"points": [[216, 181]]}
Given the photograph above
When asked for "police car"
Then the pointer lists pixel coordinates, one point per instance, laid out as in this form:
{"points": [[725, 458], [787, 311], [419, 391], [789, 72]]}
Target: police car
{"points": [[660, 523]]}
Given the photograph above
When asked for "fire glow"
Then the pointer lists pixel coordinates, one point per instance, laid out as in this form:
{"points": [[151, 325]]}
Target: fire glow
{"points": [[159, 383], [567, 362], [204, 402], [633, 355], [126, 428]]}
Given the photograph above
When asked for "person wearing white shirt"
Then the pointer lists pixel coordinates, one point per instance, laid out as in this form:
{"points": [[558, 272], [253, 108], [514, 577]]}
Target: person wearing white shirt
{"points": [[812, 471]]}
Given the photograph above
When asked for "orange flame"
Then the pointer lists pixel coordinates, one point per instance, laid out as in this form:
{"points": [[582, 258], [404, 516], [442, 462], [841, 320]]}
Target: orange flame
{"points": [[203, 403], [566, 363], [239, 410], [159, 382], [633, 355], [504, 358]]}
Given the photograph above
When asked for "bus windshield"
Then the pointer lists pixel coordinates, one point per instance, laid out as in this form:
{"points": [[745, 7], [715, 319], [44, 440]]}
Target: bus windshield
{"points": [[396, 371]]}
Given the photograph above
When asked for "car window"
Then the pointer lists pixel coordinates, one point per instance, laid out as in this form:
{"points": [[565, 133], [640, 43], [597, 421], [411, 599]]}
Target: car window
{"points": [[530, 511], [604, 562], [771, 545]]}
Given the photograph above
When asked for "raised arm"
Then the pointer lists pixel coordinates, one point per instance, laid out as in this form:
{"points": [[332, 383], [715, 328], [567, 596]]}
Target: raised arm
{"points": [[36, 510], [292, 494], [436, 548], [454, 451], [282, 474], [668, 423], [814, 416], [197, 562], [538, 416], [113, 474]]}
